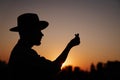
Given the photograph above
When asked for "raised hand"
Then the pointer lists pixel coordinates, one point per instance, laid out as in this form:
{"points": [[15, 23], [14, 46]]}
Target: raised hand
{"points": [[75, 41], [62, 57]]}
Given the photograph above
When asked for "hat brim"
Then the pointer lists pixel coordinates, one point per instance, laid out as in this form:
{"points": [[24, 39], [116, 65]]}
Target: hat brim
{"points": [[42, 25]]}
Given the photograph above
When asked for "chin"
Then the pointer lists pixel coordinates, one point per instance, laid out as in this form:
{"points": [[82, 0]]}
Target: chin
{"points": [[37, 44]]}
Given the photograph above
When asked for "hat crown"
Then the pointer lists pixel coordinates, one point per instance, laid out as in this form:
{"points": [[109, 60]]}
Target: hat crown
{"points": [[28, 19]]}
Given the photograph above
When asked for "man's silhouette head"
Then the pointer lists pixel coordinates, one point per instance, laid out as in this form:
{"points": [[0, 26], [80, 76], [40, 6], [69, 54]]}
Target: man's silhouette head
{"points": [[29, 27]]}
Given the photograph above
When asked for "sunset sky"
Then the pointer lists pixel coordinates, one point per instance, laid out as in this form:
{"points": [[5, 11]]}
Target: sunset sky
{"points": [[96, 21]]}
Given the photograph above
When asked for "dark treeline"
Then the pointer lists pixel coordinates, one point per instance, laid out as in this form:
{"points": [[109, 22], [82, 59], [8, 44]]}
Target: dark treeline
{"points": [[101, 71], [3, 70]]}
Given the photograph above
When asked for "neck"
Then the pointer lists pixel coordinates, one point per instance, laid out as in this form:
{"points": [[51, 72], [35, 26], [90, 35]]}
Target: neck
{"points": [[25, 43]]}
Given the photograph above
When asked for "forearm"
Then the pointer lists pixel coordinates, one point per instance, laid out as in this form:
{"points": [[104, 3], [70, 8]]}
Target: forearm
{"points": [[62, 57]]}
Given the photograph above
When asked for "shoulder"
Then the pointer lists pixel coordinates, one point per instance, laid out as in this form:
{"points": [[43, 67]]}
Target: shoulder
{"points": [[44, 60]]}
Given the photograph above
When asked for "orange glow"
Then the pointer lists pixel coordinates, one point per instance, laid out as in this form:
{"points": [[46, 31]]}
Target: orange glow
{"points": [[98, 26]]}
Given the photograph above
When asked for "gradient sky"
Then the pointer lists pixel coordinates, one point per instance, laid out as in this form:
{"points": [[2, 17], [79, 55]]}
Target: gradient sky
{"points": [[97, 22]]}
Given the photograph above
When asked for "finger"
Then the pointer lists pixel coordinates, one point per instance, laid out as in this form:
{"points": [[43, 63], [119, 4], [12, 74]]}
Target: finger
{"points": [[77, 35]]}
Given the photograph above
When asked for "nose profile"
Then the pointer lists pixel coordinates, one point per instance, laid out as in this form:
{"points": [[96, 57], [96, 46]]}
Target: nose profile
{"points": [[41, 33]]}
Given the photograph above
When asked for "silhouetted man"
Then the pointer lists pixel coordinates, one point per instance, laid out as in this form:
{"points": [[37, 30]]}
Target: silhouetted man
{"points": [[24, 62]]}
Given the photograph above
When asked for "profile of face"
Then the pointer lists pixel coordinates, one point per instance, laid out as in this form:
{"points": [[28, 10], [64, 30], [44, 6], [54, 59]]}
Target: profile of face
{"points": [[36, 37], [33, 37]]}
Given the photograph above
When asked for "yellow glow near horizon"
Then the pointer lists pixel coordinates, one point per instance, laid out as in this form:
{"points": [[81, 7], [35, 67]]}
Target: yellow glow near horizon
{"points": [[63, 65]]}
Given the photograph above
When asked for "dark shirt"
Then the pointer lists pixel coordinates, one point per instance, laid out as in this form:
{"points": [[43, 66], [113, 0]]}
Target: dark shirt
{"points": [[25, 64]]}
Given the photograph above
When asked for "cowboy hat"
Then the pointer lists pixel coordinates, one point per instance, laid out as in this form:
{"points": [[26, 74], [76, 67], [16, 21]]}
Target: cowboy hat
{"points": [[29, 21]]}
